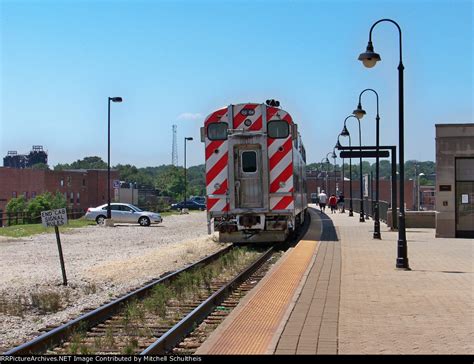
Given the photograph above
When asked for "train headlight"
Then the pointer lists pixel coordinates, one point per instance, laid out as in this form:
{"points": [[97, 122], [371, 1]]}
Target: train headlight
{"points": [[217, 186], [248, 122], [282, 184]]}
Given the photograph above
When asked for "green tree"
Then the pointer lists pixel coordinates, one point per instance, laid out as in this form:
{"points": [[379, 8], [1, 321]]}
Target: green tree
{"points": [[38, 204], [15, 208], [43, 166], [16, 205], [171, 182], [86, 163], [58, 201]]}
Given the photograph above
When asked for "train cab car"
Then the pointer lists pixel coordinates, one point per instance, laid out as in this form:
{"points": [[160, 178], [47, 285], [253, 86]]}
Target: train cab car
{"points": [[255, 173]]}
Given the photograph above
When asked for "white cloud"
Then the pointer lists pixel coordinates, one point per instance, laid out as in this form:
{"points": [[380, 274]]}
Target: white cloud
{"points": [[189, 116]]}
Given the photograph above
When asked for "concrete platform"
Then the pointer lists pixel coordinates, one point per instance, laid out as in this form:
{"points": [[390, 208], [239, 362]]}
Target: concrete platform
{"points": [[352, 300]]}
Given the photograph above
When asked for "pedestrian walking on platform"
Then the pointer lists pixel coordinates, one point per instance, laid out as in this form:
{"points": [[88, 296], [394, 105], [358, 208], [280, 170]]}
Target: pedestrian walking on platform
{"points": [[340, 203], [322, 201], [333, 203]]}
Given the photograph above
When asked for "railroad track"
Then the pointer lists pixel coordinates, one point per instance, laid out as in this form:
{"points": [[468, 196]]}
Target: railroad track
{"points": [[151, 320]]}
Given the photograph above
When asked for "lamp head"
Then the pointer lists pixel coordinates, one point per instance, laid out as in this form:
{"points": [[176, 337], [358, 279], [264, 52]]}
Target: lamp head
{"points": [[189, 138], [274, 103], [338, 144], [326, 160], [115, 99], [334, 156], [369, 58], [344, 131], [359, 112]]}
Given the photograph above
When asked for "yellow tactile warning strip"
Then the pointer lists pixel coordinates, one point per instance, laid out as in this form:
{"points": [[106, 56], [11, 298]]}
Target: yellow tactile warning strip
{"points": [[252, 329]]}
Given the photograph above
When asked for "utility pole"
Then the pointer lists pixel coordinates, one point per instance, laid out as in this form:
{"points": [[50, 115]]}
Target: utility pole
{"points": [[174, 152]]}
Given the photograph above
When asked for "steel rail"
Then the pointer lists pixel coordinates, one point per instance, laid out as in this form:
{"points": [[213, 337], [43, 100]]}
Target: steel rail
{"points": [[56, 336], [178, 332]]}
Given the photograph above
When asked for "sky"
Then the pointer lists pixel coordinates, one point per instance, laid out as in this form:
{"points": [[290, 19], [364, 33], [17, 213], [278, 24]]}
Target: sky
{"points": [[174, 62]]}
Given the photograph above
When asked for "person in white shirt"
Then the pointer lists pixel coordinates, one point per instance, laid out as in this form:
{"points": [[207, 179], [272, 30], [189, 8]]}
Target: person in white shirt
{"points": [[322, 201]]}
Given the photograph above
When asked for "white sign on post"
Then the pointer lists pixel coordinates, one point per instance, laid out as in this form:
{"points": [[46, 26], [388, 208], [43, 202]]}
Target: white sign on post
{"points": [[56, 217], [366, 185]]}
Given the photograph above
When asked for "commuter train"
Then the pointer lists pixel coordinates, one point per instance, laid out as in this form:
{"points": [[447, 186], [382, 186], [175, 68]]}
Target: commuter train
{"points": [[255, 173]]}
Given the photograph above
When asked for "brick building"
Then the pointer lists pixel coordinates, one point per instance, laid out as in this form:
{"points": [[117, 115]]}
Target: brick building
{"points": [[82, 188], [427, 197]]}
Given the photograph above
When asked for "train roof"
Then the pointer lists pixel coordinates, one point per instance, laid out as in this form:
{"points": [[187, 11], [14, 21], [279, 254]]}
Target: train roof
{"points": [[216, 115]]}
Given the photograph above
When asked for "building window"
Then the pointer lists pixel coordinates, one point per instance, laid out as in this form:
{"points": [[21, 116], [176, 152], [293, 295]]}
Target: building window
{"points": [[78, 198], [83, 181], [61, 182], [71, 199], [14, 194], [33, 194], [25, 195]]}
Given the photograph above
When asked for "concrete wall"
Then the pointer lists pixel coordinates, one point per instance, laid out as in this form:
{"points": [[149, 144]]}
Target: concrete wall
{"points": [[452, 140], [126, 194], [416, 219]]}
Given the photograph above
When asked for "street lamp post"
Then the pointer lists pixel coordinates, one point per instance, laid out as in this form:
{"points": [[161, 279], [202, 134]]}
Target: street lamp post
{"points": [[359, 113], [326, 161], [327, 173], [185, 140], [418, 199], [338, 145], [346, 132], [334, 156], [369, 58], [113, 99]]}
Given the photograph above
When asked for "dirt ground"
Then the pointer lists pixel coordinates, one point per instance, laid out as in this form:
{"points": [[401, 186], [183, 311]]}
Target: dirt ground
{"points": [[101, 263]]}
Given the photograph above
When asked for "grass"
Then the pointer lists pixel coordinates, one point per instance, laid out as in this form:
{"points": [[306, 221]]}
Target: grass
{"points": [[16, 307], [19, 231], [46, 301]]}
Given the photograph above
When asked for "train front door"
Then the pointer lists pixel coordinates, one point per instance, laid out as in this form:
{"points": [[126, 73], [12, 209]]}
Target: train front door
{"points": [[248, 176]]}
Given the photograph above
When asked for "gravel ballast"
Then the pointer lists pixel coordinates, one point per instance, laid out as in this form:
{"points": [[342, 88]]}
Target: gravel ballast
{"points": [[101, 263]]}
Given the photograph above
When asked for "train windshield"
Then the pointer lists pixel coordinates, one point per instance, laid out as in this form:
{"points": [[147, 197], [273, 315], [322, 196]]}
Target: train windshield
{"points": [[278, 129], [217, 131]]}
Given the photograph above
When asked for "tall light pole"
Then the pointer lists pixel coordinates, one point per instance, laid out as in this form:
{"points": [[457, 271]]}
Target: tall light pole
{"points": [[185, 140], [334, 156], [337, 146], [418, 200], [327, 173], [325, 161], [369, 58], [346, 132], [359, 113], [113, 99]]}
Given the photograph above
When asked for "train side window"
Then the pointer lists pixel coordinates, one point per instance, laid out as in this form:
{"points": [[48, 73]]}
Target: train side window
{"points": [[249, 162], [217, 131], [278, 129]]}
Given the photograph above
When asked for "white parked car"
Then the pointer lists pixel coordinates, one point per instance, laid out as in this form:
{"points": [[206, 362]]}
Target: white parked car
{"points": [[123, 212]]}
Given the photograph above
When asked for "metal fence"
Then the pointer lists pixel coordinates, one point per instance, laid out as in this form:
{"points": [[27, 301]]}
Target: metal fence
{"points": [[369, 207], [21, 218]]}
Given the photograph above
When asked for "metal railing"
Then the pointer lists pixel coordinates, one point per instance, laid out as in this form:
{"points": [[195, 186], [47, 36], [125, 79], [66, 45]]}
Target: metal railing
{"points": [[369, 207], [22, 218]]}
